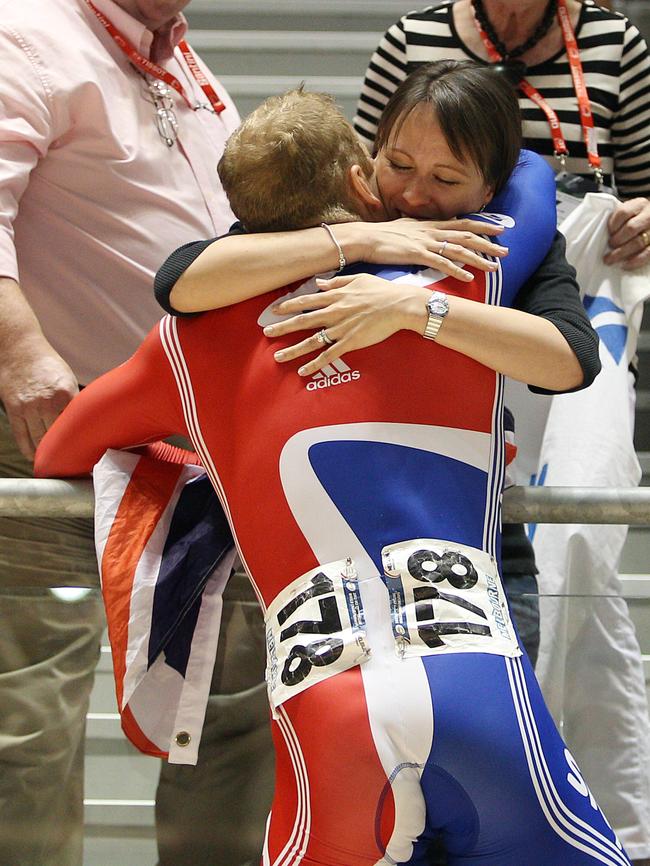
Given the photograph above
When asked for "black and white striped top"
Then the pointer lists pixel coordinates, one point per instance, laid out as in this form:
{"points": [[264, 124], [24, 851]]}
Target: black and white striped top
{"points": [[617, 74]]}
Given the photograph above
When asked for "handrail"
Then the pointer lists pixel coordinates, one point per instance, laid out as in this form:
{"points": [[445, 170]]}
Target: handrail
{"points": [[601, 505], [45, 497]]}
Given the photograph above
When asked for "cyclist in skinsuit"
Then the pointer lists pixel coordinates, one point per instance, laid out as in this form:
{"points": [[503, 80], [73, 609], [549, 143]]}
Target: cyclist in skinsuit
{"points": [[365, 506]]}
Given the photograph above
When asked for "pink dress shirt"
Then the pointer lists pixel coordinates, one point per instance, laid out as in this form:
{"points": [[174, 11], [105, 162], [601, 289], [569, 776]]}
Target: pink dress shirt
{"points": [[91, 198]]}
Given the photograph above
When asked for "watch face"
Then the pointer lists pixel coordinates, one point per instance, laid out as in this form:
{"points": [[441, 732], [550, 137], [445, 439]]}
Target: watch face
{"points": [[438, 305]]}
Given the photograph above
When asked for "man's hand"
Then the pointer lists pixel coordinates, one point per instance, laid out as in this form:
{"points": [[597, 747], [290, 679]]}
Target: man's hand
{"points": [[36, 385], [629, 235]]}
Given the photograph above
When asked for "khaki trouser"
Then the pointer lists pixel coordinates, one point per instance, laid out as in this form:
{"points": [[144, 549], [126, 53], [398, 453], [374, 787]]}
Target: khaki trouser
{"points": [[48, 653]]}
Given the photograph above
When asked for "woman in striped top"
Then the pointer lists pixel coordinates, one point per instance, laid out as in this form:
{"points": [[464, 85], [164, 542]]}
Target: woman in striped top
{"points": [[616, 69]]}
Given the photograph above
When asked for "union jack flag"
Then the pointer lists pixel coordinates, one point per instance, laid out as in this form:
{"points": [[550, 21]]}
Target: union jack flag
{"points": [[165, 553]]}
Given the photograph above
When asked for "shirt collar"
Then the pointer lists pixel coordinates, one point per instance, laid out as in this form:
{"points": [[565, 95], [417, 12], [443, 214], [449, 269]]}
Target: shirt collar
{"points": [[158, 46]]}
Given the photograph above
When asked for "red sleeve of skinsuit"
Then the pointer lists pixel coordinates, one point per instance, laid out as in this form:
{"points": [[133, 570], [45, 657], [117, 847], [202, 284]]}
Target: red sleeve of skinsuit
{"points": [[134, 404]]}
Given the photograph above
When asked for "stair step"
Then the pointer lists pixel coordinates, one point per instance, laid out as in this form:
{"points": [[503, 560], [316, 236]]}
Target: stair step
{"points": [[314, 15], [323, 42], [284, 52], [112, 760], [122, 813], [115, 845], [249, 90], [635, 585], [636, 552]]}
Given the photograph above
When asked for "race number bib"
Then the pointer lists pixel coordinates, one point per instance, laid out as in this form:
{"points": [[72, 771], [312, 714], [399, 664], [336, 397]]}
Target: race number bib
{"points": [[446, 598], [315, 628]]}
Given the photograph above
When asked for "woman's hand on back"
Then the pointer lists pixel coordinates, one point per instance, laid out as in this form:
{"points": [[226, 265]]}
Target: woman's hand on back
{"points": [[355, 312], [445, 245]]}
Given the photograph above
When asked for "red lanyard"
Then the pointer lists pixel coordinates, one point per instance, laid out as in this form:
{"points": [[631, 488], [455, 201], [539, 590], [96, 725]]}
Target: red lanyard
{"points": [[584, 106], [151, 68]]}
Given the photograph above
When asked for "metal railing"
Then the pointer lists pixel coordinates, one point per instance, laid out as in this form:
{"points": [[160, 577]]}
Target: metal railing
{"points": [[44, 497]]}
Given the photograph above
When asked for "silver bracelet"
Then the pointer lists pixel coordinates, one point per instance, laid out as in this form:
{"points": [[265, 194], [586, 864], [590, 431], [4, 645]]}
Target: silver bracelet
{"points": [[342, 261]]}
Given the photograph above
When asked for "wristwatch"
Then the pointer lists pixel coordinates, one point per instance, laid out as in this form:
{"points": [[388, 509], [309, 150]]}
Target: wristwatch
{"points": [[437, 307]]}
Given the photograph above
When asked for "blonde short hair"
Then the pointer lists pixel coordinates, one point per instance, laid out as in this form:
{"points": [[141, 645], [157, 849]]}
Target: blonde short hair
{"points": [[287, 166]]}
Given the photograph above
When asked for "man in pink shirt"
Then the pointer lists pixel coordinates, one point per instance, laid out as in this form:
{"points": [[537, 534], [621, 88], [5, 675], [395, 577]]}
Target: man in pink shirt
{"points": [[110, 133]]}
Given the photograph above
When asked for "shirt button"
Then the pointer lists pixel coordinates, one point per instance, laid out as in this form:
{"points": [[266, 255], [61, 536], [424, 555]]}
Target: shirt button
{"points": [[182, 738]]}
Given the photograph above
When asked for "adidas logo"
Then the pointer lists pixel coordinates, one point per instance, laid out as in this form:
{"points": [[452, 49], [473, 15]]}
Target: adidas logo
{"points": [[336, 373]]}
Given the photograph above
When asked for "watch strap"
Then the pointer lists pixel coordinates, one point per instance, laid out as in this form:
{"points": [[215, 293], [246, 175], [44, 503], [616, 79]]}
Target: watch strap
{"points": [[433, 326]]}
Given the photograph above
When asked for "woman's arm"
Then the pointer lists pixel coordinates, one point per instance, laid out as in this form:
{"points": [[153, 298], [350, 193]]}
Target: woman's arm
{"points": [[629, 225], [359, 311], [552, 293], [209, 275], [630, 124]]}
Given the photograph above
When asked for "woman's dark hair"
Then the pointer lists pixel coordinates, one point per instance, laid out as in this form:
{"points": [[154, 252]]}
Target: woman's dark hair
{"points": [[476, 108]]}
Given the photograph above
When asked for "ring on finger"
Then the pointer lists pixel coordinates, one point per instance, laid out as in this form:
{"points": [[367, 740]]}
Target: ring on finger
{"points": [[323, 337], [645, 238], [441, 251]]}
